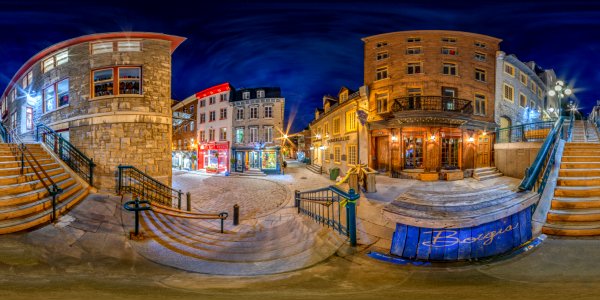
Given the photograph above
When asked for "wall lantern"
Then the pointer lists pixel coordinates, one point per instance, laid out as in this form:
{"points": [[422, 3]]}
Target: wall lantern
{"points": [[471, 139], [432, 138], [394, 138]]}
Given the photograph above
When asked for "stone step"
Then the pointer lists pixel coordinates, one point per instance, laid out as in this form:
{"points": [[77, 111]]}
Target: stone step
{"points": [[580, 165], [15, 179], [490, 176], [582, 152], [581, 158], [12, 212], [315, 169], [15, 164], [572, 228], [576, 191], [581, 145], [27, 169], [35, 184], [574, 215], [12, 158], [24, 198], [573, 203], [578, 181], [579, 172]]}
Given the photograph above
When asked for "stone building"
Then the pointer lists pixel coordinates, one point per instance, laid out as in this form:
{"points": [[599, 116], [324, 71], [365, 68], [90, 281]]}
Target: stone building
{"points": [[185, 135], [520, 93], [302, 143], [109, 94], [431, 100], [339, 139], [258, 129]]}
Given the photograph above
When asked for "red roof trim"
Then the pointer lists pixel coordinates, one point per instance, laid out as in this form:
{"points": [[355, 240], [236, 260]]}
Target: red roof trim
{"points": [[175, 42], [223, 87]]}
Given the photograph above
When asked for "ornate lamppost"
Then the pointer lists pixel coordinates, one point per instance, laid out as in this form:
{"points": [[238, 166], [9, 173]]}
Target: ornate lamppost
{"points": [[560, 91]]}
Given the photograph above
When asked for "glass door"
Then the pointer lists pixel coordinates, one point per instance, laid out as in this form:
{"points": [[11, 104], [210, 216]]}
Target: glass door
{"points": [[450, 153], [448, 98], [253, 160], [239, 161], [413, 152]]}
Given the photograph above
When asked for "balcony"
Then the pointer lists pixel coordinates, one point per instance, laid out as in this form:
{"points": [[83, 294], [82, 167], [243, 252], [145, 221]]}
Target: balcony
{"points": [[432, 103]]}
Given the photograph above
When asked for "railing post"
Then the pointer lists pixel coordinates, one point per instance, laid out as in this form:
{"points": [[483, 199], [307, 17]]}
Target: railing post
{"points": [[137, 216], [91, 166], [351, 216], [188, 201], [60, 147], [236, 214], [22, 158], [120, 184], [53, 207], [297, 199], [179, 199]]}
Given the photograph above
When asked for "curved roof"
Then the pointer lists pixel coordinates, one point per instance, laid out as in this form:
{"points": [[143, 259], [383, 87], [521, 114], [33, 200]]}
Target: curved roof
{"points": [[175, 42], [408, 32]]}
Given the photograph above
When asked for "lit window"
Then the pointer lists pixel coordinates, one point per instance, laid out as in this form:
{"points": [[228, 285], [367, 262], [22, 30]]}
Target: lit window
{"points": [[509, 69], [268, 111], [523, 78], [449, 69], [50, 98], [414, 68], [480, 104], [48, 64], [260, 94], [191, 125], [103, 47], [351, 121], [382, 55], [223, 134], [27, 79], [337, 154], [268, 134], [381, 100], [413, 39], [246, 95], [522, 100], [479, 56], [480, 75], [239, 135], [62, 58], [382, 73], [211, 135], [352, 154], [13, 95], [123, 46], [103, 82], [509, 93], [336, 125], [326, 129], [129, 81], [449, 51], [381, 44], [413, 50]]}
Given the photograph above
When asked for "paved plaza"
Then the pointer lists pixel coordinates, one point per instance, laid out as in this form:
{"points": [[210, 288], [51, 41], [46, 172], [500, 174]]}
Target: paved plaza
{"points": [[88, 252]]}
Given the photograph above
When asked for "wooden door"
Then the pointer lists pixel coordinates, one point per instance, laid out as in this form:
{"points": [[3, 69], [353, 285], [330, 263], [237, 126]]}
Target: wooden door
{"points": [[483, 151], [382, 153]]}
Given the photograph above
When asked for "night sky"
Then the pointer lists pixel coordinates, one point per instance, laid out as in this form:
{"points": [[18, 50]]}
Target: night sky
{"points": [[307, 48]]}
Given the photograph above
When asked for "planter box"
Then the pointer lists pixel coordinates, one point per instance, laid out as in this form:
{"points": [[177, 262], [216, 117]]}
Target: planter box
{"points": [[453, 175], [428, 176]]}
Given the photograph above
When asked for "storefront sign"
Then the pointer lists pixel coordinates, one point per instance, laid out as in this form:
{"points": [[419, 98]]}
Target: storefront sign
{"points": [[339, 139], [215, 146], [480, 241]]}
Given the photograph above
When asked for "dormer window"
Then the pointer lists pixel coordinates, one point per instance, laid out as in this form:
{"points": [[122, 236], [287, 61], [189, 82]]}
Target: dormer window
{"points": [[246, 95], [449, 40], [260, 94], [381, 44]]}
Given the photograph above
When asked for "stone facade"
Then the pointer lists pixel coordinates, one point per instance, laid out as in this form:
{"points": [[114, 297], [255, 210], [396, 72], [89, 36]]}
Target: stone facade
{"points": [[128, 123]]}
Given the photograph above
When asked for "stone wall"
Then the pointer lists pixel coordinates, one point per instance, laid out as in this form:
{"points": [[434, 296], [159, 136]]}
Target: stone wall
{"points": [[513, 158]]}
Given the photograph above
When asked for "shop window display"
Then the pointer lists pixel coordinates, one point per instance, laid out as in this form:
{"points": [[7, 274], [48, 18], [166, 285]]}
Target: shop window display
{"points": [[269, 160]]}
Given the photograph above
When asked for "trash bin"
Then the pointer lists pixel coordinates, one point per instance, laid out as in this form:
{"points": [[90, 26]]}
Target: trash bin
{"points": [[334, 173]]}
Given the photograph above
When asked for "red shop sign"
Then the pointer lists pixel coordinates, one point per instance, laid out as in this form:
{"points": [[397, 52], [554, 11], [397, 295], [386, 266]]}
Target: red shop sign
{"points": [[216, 146]]}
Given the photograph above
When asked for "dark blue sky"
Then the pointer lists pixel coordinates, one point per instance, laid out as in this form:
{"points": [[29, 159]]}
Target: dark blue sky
{"points": [[307, 48]]}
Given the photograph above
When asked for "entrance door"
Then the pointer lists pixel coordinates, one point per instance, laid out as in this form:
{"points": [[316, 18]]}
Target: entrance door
{"points": [[239, 161], [448, 98], [382, 153], [413, 152], [483, 151], [253, 160]]}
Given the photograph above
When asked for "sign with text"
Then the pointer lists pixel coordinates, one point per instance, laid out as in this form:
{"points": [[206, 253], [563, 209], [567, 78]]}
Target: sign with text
{"points": [[339, 139]]}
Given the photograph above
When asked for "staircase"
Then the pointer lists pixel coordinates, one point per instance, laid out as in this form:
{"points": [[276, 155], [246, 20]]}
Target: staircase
{"points": [[486, 173], [24, 201], [199, 246], [578, 135], [591, 134], [249, 172], [575, 209], [315, 168]]}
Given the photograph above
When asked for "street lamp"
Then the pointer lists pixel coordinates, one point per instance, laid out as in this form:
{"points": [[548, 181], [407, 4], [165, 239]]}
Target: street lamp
{"points": [[561, 91]]}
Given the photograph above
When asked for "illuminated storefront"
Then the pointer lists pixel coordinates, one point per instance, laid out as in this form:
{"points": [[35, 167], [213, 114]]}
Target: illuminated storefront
{"points": [[213, 157], [267, 159]]}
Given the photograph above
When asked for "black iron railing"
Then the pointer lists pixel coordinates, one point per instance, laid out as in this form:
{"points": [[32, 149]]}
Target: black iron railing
{"points": [[532, 132], [331, 207], [73, 157], [22, 154], [433, 103], [134, 181]]}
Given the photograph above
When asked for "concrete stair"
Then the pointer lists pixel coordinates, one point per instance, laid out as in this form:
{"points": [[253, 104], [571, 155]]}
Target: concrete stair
{"points": [[250, 172], [578, 135], [315, 168], [197, 245], [575, 208], [24, 201], [591, 133], [486, 173]]}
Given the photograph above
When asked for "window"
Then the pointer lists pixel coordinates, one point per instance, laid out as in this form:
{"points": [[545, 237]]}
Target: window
{"points": [[56, 95], [62, 58], [337, 154], [480, 75], [123, 46], [449, 69], [531, 105], [223, 134], [268, 111], [202, 103], [449, 51], [381, 100], [539, 92], [253, 134], [448, 40], [326, 151], [246, 95], [479, 44], [382, 55], [27, 79], [129, 81], [413, 50], [479, 56], [381, 44], [533, 86], [202, 136], [102, 47], [202, 118], [13, 120], [211, 135], [212, 116], [480, 104], [254, 112], [13, 95], [223, 114], [191, 125], [381, 73], [413, 39], [509, 69], [336, 125], [185, 128], [212, 100], [240, 114], [522, 100], [223, 97], [352, 151], [351, 121], [523, 78], [103, 82], [268, 134], [239, 135], [509, 93], [260, 94], [48, 64], [29, 118], [326, 129], [414, 68]]}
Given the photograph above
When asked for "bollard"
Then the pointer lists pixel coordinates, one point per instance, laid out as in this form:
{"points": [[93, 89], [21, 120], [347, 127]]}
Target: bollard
{"points": [[236, 215], [188, 200]]}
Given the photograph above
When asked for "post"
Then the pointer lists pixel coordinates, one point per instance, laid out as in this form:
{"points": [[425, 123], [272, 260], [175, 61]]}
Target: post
{"points": [[22, 158], [120, 184], [54, 206], [351, 216], [137, 216], [91, 166], [236, 215], [179, 199], [188, 201], [296, 198], [60, 147]]}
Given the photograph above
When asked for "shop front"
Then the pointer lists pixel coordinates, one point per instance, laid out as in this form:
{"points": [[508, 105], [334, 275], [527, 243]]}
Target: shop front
{"points": [[213, 157], [267, 159], [184, 160]]}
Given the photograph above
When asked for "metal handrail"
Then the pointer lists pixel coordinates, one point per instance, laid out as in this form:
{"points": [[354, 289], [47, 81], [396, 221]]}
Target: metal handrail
{"points": [[19, 149], [73, 157], [544, 159], [325, 205], [536, 131], [3, 133], [433, 103]]}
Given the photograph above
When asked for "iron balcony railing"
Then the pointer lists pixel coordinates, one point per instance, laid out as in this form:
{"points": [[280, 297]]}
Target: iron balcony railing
{"points": [[332, 207], [532, 132], [433, 103], [73, 157], [3, 133]]}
